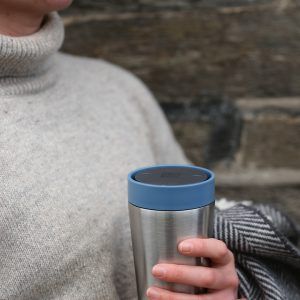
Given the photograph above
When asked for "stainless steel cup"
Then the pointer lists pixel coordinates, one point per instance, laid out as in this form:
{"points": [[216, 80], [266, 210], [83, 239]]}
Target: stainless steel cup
{"points": [[167, 204]]}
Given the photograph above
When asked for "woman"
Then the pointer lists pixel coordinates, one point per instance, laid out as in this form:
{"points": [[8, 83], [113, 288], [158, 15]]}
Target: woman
{"points": [[71, 129]]}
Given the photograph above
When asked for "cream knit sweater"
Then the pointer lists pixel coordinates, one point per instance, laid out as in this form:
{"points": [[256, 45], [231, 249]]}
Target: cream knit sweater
{"points": [[70, 130]]}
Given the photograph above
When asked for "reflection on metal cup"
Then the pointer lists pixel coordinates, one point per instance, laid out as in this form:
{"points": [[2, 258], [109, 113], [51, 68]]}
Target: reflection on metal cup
{"points": [[167, 204]]}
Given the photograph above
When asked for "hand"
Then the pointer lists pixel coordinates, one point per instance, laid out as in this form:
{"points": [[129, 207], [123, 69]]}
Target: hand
{"points": [[220, 278]]}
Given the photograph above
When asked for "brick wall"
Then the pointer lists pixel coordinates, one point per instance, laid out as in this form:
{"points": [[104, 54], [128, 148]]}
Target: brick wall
{"points": [[226, 73]]}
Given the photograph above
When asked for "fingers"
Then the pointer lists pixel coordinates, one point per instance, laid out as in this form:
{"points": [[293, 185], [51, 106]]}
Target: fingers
{"points": [[155, 293], [195, 275], [214, 249], [221, 278]]}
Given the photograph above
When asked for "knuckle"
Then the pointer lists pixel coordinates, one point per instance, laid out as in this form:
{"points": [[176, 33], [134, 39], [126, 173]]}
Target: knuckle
{"points": [[222, 249], [233, 281], [209, 278], [230, 255]]}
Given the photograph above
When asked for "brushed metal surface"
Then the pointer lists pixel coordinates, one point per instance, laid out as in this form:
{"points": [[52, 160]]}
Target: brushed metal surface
{"points": [[155, 237]]}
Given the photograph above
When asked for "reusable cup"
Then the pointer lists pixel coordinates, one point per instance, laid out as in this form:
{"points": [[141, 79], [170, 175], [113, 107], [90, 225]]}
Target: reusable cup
{"points": [[168, 204]]}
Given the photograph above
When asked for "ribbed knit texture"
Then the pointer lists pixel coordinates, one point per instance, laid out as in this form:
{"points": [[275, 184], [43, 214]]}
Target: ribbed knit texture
{"points": [[70, 131], [27, 64]]}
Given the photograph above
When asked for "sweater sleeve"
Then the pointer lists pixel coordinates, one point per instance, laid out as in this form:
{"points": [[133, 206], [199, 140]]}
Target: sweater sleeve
{"points": [[164, 145], [166, 148]]}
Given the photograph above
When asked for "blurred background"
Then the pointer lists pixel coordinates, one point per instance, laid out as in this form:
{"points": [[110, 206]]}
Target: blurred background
{"points": [[227, 75]]}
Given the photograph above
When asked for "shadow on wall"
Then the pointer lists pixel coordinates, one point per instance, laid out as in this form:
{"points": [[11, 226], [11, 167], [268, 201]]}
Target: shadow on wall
{"points": [[210, 124]]}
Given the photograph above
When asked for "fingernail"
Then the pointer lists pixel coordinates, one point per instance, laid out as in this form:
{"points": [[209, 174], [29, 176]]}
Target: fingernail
{"points": [[185, 247], [153, 294], [158, 271]]}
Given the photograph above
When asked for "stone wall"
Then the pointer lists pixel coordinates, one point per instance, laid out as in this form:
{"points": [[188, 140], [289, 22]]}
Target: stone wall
{"points": [[226, 73]]}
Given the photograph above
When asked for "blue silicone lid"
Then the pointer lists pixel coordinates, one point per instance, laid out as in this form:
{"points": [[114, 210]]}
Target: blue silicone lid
{"points": [[171, 190]]}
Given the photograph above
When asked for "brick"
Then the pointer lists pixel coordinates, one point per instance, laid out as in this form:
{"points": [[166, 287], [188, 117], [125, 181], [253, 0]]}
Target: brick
{"points": [[231, 51], [194, 138], [130, 4], [270, 134]]}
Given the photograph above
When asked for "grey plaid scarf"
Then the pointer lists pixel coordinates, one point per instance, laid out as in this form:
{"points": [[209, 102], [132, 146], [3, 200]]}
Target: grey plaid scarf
{"points": [[263, 241]]}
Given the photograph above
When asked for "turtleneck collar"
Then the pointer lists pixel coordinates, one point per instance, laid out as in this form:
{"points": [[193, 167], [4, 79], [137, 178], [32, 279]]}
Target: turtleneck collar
{"points": [[26, 63]]}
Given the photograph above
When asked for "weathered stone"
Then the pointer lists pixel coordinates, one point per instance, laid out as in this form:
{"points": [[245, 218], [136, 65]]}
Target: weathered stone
{"points": [[150, 4], [284, 198], [238, 177], [194, 138], [231, 51], [271, 133], [214, 118], [221, 51]]}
